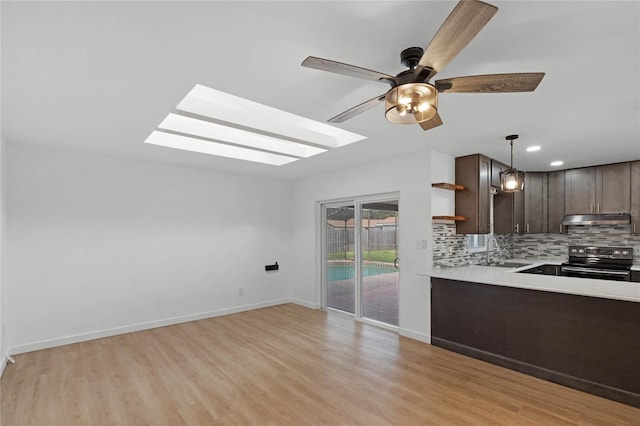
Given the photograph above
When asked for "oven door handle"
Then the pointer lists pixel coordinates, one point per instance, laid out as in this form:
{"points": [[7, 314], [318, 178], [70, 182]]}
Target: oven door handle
{"points": [[593, 270]]}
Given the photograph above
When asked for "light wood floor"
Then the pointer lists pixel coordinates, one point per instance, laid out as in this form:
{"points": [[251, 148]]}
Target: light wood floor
{"points": [[278, 366]]}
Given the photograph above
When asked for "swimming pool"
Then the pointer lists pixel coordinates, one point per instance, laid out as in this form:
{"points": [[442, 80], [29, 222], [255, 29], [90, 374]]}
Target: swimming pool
{"points": [[347, 272]]}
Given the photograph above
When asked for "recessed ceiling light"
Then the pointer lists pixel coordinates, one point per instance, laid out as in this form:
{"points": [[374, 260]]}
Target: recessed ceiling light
{"points": [[214, 148], [557, 163], [217, 123], [533, 148]]}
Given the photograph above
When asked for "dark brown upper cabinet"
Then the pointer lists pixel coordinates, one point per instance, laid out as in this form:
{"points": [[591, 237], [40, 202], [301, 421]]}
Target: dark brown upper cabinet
{"points": [[474, 173], [522, 212], [535, 203], [580, 191], [504, 204], [503, 220], [613, 188], [601, 189], [496, 168], [555, 202], [635, 197]]}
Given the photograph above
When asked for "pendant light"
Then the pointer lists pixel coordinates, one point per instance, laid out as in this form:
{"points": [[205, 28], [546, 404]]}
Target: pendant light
{"points": [[511, 180]]}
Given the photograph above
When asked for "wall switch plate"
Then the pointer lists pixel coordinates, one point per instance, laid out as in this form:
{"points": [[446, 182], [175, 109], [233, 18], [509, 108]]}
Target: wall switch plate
{"points": [[241, 292]]}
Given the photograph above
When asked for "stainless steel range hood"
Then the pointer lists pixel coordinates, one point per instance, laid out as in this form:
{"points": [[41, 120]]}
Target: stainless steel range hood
{"points": [[597, 219]]}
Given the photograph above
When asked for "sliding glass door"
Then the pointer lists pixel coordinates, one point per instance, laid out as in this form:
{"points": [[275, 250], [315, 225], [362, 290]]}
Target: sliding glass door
{"points": [[340, 265], [380, 262], [360, 258]]}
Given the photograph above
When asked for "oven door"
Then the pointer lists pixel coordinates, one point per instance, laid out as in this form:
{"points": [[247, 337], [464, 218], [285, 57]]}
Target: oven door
{"points": [[596, 273]]}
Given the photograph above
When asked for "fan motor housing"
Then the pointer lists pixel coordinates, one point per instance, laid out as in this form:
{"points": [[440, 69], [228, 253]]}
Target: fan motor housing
{"points": [[410, 56]]}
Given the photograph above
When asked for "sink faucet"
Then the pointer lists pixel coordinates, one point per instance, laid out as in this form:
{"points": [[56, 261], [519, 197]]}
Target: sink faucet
{"points": [[491, 238]]}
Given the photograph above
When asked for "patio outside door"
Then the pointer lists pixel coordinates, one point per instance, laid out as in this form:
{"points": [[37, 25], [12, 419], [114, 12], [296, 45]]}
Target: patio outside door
{"points": [[361, 259], [380, 262], [340, 264]]}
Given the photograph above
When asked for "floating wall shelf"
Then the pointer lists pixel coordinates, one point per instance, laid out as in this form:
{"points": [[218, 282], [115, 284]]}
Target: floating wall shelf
{"points": [[449, 186], [456, 218]]}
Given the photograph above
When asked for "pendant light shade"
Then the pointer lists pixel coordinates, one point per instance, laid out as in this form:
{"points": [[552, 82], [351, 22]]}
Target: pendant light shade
{"points": [[511, 180]]}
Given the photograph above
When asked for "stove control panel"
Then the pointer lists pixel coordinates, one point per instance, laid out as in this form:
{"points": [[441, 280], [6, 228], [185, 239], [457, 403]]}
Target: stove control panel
{"points": [[601, 252]]}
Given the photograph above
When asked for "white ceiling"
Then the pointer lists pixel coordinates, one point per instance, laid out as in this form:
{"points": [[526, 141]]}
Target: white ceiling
{"points": [[100, 76]]}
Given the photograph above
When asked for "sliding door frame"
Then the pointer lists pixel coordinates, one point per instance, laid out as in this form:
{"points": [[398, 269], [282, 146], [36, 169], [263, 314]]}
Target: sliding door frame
{"points": [[357, 202]]}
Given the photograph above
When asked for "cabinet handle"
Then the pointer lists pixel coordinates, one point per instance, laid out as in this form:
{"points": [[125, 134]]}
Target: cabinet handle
{"points": [[527, 229], [561, 228], [517, 228], [634, 227], [591, 208], [598, 208]]}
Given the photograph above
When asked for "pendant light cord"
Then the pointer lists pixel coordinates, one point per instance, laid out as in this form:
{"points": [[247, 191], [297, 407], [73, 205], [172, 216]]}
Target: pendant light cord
{"points": [[511, 142]]}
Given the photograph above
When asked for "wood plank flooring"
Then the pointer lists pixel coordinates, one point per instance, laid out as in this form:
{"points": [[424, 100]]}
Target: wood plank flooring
{"points": [[279, 366]]}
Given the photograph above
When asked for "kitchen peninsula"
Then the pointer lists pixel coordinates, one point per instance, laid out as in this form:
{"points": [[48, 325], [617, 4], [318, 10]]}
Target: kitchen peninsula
{"points": [[582, 333]]}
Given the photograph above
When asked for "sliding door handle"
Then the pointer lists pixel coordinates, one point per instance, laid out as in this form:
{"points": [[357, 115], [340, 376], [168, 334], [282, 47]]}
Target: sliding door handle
{"points": [[395, 262]]}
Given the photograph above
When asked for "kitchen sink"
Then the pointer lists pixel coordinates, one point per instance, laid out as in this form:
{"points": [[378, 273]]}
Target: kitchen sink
{"points": [[504, 264]]}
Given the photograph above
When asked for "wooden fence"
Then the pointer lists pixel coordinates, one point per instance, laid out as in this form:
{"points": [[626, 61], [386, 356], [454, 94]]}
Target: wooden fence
{"points": [[375, 238]]}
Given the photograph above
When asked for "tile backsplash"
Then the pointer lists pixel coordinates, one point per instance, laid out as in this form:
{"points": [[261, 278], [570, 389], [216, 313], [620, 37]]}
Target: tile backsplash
{"points": [[556, 245], [450, 249]]}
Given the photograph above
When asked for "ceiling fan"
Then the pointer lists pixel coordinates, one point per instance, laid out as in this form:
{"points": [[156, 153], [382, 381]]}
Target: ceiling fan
{"points": [[412, 98]]}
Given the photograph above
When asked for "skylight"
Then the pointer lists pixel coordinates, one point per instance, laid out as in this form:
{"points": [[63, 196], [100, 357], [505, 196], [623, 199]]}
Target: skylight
{"points": [[214, 148], [217, 123]]}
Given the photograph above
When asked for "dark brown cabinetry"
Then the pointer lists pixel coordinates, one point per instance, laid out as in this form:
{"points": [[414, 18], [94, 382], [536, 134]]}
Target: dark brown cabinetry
{"points": [[580, 191], [555, 202], [503, 221], [523, 211], [602, 189], [613, 188], [547, 197], [474, 173], [587, 343], [635, 197], [496, 168], [535, 203]]}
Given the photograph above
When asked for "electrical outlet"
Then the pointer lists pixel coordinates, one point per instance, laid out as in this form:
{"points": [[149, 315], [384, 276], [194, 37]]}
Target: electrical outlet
{"points": [[241, 292]]}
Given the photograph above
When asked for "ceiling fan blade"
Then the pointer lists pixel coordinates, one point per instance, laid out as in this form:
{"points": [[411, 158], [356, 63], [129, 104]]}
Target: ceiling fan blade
{"points": [[435, 121], [461, 26], [491, 83], [358, 109], [346, 69]]}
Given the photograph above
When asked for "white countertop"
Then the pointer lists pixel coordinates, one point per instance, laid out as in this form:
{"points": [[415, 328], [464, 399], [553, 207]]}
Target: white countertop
{"points": [[508, 277]]}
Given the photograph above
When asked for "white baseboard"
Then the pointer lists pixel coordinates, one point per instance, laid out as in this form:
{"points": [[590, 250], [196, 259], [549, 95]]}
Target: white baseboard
{"points": [[3, 363], [416, 335], [83, 337], [304, 303]]}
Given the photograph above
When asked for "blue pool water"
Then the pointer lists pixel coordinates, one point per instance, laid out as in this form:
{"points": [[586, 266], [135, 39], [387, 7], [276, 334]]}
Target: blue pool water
{"points": [[347, 272]]}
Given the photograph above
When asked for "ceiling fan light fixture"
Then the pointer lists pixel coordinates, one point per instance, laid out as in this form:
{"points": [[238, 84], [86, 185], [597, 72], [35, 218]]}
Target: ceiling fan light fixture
{"points": [[511, 180], [411, 103]]}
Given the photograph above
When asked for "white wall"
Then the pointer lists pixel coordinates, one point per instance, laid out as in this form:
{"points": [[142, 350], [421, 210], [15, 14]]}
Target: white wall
{"points": [[410, 176], [3, 341], [100, 245], [443, 169]]}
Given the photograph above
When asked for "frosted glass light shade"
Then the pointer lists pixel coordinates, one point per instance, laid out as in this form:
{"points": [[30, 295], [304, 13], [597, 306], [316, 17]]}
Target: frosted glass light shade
{"points": [[411, 103], [511, 180]]}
